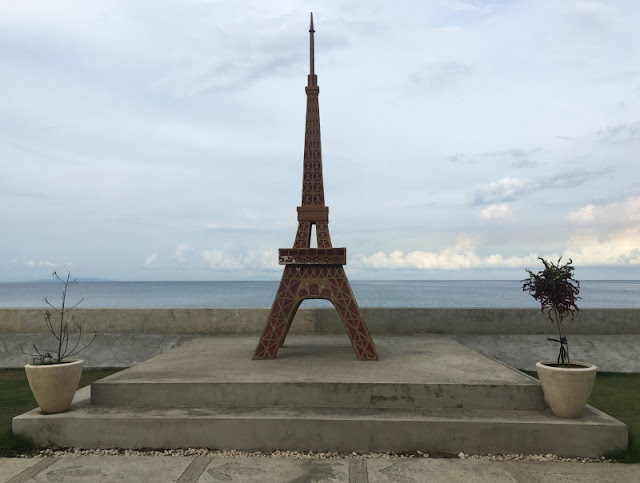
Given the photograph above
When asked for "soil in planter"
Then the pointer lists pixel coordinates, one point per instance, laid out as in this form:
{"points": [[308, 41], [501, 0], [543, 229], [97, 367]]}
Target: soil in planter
{"points": [[567, 366]]}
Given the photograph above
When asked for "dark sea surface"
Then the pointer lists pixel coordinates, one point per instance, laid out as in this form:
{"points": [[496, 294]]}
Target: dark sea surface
{"points": [[594, 293]]}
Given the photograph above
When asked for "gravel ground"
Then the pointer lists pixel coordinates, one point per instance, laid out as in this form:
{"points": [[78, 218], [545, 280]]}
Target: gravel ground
{"points": [[305, 455]]}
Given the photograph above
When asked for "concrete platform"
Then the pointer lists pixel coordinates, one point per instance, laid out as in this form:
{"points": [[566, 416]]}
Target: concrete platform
{"points": [[427, 392], [414, 372]]}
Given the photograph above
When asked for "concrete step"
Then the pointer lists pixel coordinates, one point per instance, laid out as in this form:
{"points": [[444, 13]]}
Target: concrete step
{"points": [[478, 431], [326, 395], [316, 371]]}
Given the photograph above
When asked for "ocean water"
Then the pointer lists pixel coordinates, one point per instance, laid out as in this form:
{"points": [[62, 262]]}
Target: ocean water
{"points": [[477, 293]]}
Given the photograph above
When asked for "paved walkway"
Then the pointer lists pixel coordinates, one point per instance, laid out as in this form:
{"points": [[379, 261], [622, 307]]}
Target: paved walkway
{"points": [[182, 469]]}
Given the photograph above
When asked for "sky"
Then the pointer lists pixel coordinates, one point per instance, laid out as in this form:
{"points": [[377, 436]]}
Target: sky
{"points": [[461, 139]]}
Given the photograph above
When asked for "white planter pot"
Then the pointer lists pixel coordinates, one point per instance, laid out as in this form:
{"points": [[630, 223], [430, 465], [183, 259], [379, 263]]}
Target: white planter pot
{"points": [[566, 389], [54, 385]]}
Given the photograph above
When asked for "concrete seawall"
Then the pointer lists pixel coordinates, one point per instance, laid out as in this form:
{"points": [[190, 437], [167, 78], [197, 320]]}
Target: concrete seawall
{"points": [[220, 321], [514, 335]]}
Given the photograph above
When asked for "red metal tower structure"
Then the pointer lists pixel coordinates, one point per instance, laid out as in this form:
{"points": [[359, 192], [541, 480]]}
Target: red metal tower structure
{"points": [[313, 273]]}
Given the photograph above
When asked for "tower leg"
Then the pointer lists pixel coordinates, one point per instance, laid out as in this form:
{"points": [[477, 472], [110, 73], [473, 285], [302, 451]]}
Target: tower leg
{"points": [[346, 305], [301, 282], [283, 310]]}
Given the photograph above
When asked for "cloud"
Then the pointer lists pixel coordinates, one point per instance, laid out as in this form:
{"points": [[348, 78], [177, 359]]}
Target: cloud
{"points": [[619, 212], [40, 264], [632, 208], [496, 211], [462, 158], [590, 16], [618, 245], [461, 255], [632, 257], [262, 260], [514, 157], [182, 251], [583, 215], [511, 189], [151, 260], [507, 189], [236, 73], [620, 133], [619, 248], [220, 56], [219, 260], [569, 179]]}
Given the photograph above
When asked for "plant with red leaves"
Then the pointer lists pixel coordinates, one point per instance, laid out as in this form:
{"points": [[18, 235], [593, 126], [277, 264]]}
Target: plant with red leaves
{"points": [[557, 292]]}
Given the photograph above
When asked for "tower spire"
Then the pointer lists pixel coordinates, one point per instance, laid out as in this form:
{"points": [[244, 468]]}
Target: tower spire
{"points": [[313, 79]]}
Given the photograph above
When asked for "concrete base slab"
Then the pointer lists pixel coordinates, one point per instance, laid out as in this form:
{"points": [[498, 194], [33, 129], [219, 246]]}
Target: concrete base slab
{"points": [[193, 397], [321, 371]]}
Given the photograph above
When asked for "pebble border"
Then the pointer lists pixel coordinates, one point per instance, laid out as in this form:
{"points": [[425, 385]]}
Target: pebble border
{"points": [[58, 452]]}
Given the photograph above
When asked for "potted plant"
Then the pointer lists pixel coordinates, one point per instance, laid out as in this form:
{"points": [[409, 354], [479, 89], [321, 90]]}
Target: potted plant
{"points": [[53, 375], [566, 383]]}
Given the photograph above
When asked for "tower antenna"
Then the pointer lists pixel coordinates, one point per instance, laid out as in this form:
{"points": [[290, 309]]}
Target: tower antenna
{"points": [[313, 79]]}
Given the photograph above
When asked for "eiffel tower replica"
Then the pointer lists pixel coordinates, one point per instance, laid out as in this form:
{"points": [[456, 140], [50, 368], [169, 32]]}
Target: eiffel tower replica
{"points": [[313, 273]]}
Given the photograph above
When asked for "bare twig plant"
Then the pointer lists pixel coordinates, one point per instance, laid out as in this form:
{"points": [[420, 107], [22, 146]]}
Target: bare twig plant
{"points": [[61, 323]]}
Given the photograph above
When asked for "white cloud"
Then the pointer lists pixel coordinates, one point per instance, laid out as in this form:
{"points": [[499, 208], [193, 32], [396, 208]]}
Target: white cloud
{"points": [[261, 260], [632, 208], [496, 211], [583, 215], [621, 248], [182, 251], [152, 259], [40, 264], [511, 189], [219, 260], [507, 189], [461, 255], [608, 234], [619, 212]]}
